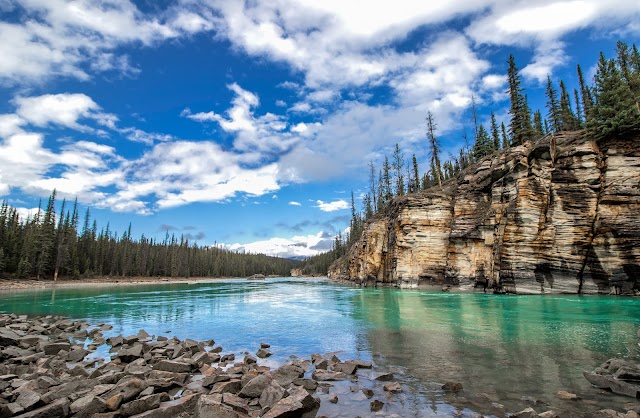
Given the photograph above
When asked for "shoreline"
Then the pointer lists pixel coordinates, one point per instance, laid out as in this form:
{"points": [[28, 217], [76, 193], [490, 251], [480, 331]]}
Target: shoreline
{"points": [[103, 281]]}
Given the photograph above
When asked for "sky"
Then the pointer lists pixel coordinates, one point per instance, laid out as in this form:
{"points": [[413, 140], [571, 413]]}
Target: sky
{"points": [[249, 123]]}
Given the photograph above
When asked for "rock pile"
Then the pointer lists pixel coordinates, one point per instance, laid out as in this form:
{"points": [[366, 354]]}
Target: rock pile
{"points": [[49, 368], [617, 375]]}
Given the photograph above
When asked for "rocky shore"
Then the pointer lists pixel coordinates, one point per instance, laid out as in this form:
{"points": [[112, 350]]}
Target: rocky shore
{"points": [[51, 367], [57, 367]]}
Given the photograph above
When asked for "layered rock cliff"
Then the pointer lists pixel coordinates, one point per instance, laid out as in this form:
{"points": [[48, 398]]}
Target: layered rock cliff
{"points": [[558, 216]]}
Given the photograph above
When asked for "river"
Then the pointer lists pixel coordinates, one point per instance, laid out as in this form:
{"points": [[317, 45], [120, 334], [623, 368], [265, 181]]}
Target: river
{"points": [[509, 352]]}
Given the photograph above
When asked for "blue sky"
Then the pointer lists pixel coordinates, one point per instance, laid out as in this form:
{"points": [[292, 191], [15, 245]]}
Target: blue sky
{"points": [[249, 123]]}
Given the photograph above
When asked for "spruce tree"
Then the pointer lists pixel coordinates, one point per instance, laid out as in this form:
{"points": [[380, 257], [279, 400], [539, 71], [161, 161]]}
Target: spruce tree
{"points": [[585, 92], [398, 166], [505, 137], [434, 147], [567, 117], [615, 113], [553, 107], [520, 126], [386, 179], [416, 175], [579, 115], [372, 185], [495, 134], [483, 145], [537, 124]]}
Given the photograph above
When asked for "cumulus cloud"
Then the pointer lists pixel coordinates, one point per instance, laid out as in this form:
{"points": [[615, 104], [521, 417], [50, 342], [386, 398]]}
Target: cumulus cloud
{"points": [[332, 206], [294, 247]]}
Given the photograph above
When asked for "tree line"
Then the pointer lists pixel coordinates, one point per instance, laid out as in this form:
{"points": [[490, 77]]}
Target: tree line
{"points": [[53, 243], [608, 108]]}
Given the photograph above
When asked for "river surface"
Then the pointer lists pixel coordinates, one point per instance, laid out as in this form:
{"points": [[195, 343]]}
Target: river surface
{"points": [[509, 352]]}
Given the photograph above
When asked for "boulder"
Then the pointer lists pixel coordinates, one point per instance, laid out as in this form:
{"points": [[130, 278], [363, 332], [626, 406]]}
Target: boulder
{"points": [[392, 387], [88, 405], [210, 406], [326, 376], [376, 405], [384, 377], [525, 413], [8, 337], [173, 366], [347, 368], [563, 394], [184, 406], [127, 355], [143, 404], [232, 386], [129, 388], [264, 353], [54, 348], [237, 403], [271, 394], [255, 387], [452, 387], [56, 409], [298, 402]]}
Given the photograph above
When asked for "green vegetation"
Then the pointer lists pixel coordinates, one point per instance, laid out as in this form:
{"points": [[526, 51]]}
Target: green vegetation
{"points": [[43, 248], [609, 109]]}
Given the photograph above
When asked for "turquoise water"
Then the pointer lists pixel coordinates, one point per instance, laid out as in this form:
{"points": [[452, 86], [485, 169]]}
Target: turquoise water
{"points": [[516, 351]]}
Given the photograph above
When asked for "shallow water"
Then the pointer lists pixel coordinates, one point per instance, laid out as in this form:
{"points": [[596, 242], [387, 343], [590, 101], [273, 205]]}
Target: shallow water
{"points": [[514, 351]]}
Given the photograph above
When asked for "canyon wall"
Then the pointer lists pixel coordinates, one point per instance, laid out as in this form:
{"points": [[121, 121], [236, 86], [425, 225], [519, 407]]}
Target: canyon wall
{"points": [[561, 215]]}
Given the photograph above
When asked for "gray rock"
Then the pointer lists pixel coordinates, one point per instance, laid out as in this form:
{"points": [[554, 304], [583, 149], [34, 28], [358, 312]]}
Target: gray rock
{"points": [[525, 413], [127, 355], [271, 394], [210, 406], [28, 399], [254, 388], [56, 409], [392, 387], [8, 337], [232, 386], [53, 348], [184, 406], [237, 403], [376, 405], [77, 354], [298, 402], [333, 398], [129, 388], [326, 376], [173, 366], [87, 406], [143, 404], [348, 368], [384, 377], [264, 353]]}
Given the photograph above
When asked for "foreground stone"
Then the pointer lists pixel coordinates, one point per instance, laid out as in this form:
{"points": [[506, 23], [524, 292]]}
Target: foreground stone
{"points": [[617, 375]]}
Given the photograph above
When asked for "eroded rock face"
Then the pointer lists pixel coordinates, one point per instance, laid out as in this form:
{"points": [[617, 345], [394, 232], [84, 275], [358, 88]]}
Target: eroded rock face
{"points": [[558, 216]]}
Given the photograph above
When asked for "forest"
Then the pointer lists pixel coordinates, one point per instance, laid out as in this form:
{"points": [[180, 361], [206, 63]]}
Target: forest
{"points": [[52, 244], [607, 108]]}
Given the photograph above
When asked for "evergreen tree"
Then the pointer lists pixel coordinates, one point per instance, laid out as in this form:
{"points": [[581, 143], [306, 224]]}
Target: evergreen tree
{"points": [[615, 112], [585, 92], [386, 179], [553, 107], [537, 124], [372, 186], [495, 134], [398, 166], [505, 137], [579, 115], [483, 145], [568, 119], [625, 62], [434, 147], [416, 175], [520, 127]]}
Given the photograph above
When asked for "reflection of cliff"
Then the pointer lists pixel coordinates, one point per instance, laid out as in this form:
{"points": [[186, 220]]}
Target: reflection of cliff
{"points": [[560, 215], [505, 347]]}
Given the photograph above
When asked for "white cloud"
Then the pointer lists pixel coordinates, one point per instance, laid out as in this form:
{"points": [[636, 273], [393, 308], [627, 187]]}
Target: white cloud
{"points": [[295, 203], [62, 38], [62, 109], [297, 246], [332, 206]]}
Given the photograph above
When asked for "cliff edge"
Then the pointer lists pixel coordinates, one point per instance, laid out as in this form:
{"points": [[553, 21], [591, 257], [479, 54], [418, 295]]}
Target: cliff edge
{"points": [[561, 215]]}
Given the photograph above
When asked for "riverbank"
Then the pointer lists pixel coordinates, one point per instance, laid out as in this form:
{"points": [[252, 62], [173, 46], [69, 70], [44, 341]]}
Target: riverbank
{"points": [[52, 366], [26, 284]]}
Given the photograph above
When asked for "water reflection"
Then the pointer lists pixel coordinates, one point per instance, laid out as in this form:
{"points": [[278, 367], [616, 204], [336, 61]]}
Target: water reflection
{"points": [[506, 350]]}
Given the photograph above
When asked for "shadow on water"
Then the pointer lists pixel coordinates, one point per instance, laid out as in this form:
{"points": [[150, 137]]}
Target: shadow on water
{"points": [[511, 351]]}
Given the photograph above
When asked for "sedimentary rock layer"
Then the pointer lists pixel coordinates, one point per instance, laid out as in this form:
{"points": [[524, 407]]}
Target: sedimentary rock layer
{"points": [[558, 216]]}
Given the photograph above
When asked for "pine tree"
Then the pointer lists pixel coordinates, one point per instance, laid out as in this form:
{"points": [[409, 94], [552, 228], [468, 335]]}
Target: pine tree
{"points": [[398, 166], [520, 127], [386, 179], [615, 113], [372, 185], [495, 134], [568, 119], [434, 147], [585, 92], [537, 124], [483, 145], [505, 137], [579, 116], [553, 107], [416, 175], [625, 64]]}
